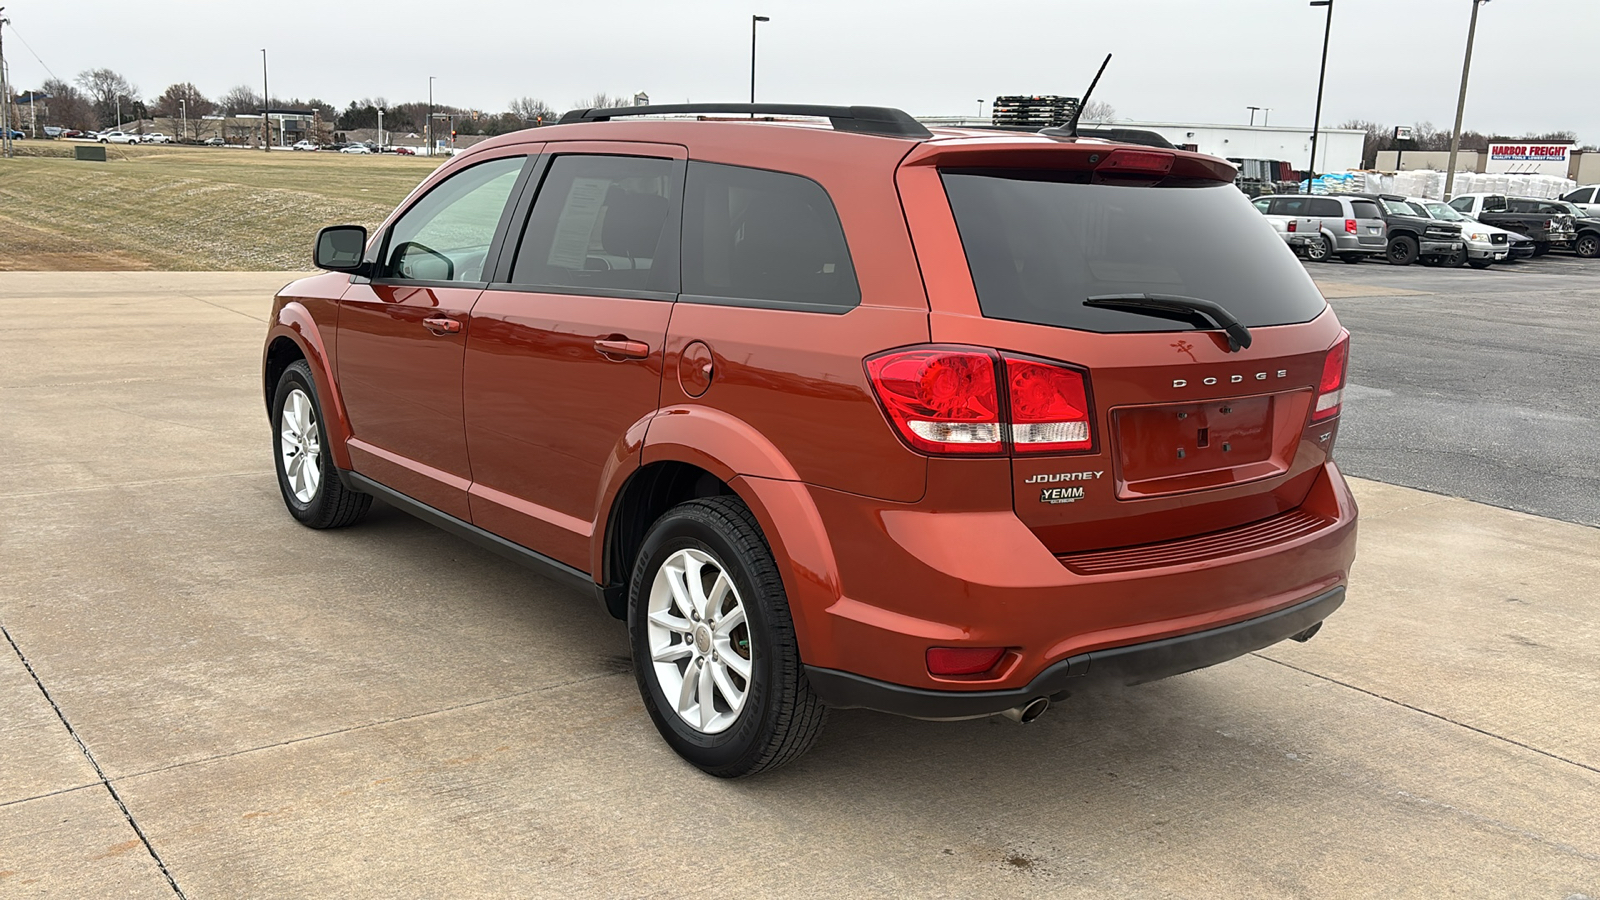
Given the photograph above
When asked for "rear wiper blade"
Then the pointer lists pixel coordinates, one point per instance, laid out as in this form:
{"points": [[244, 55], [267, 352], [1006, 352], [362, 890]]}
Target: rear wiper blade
{"points": [[1238, 334]]}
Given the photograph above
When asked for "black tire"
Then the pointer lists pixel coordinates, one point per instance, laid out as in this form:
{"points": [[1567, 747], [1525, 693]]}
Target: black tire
{"points": [[1455, 260], [331, 504], [1352, 258], [1540, 249], [1318, 250], [1587, 245], [1402, 250], [781, 717], [1480, 263]]}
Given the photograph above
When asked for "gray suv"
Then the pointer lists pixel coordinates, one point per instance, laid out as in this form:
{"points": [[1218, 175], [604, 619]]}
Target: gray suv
{"points": [[1350, 228]]}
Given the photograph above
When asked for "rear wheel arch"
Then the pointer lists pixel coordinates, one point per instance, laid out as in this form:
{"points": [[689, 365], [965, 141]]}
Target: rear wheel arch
{"points": [[648, 494]]}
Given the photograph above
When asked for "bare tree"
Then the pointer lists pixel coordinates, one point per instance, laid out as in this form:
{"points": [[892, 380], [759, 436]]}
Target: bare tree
{"points": [[109, 92], [67, 106], [193, 105], [602, 100], [241, 101], [1098, 111], [531, 110]]}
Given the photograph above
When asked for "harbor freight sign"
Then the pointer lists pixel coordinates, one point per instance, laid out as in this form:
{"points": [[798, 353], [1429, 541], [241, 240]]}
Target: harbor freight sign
{"points": [[1529, 159]]}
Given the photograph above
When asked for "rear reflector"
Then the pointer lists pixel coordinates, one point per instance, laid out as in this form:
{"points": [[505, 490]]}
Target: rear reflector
{"points": [[1049, 407], [963, 660], [1330, 391], [940, 399]]}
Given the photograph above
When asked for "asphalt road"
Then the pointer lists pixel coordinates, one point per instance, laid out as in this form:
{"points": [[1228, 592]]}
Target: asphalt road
{"points": [[1484, 385], [200, 699]]}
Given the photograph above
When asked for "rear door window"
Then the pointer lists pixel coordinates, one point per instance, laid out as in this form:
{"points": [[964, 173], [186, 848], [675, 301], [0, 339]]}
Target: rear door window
{"points": [[753, 237], [1327, 208], [1365, 209], [1039, 243], [1289, 206], [1581, 195], [601, 223]]}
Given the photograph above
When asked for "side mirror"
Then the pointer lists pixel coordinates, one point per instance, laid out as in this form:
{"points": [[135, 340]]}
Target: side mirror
{"points": [[339, 249]]}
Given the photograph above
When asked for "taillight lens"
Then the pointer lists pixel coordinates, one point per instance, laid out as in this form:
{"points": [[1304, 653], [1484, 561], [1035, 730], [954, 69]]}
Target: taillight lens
{"points": [[1330, 391], [1291, 225], [1049, 407], [1349, 226], [940, 399]]}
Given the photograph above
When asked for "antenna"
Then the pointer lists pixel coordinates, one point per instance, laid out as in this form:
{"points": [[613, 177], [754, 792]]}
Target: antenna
{"points": [[1072, 127]]}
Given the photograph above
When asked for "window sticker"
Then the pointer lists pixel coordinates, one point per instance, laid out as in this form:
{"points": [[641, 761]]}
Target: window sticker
{"points": [[575, 228]]}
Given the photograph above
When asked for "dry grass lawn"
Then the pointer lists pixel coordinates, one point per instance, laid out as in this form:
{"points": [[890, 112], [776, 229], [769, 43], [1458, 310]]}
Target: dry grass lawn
{"points": [[188, 208]]}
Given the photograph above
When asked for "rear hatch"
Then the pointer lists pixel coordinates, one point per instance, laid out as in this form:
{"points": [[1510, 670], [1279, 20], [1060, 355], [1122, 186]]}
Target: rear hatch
{"points": [[1189, 433]]}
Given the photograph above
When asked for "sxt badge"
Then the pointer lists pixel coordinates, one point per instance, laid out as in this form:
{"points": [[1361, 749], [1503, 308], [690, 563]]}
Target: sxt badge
{"points": [[1061, 495]]}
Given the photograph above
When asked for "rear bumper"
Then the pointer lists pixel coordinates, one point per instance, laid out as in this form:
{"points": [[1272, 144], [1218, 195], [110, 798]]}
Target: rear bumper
{"points": [[1112, 667]]}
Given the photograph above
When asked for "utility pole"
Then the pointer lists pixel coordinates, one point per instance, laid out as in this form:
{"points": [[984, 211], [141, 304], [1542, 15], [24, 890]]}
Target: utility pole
{"points": [[266, 124], [5, 93], [1253, 110], [753, 21], [380, 128], [1461, 103], [183, 106], [1316, 123], [428, 131], [980, 108]]}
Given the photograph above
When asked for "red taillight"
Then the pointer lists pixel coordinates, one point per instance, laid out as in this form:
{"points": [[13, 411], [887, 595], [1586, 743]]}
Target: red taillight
{"points": [[940, 399], [1330, 391], [1049, 407], [1136, 162], [946, 399], [963, 660], [1291, 225], [1349, 226]]}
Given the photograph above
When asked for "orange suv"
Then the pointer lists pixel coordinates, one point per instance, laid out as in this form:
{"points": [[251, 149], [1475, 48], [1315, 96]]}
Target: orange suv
{"points": [[836, 411]]}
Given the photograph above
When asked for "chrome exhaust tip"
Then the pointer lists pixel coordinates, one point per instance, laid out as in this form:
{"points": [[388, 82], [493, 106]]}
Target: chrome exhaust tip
{"points": [[1308, 634], [1029, 711]]}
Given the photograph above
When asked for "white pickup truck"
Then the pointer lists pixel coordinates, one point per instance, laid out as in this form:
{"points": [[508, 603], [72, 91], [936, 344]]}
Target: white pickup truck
{"points": [[117, 137]]}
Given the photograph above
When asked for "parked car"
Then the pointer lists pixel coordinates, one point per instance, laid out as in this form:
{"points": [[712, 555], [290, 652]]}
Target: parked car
{"points": [[1546, 226], [214, 142], [1414, 236], [1586, 198], [355, 148], [1585, 229], [1324, 227], [404, 151], [155, 137], [17, 135], [304, 145], [743, 383], [1486, 244], [117, 137]]}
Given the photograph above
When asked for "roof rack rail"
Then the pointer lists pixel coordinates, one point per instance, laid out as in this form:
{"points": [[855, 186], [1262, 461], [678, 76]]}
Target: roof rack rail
{"points": [[882, 120]]}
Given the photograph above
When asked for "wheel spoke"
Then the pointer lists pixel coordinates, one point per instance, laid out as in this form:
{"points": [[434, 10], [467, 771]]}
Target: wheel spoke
{"points": [[313, 477], [708, 705], [732, 695], [672, 652], [731, 658], [687, 692], [671, 622], [729, 622], [719, 593], [694, 579], [676, 581]]}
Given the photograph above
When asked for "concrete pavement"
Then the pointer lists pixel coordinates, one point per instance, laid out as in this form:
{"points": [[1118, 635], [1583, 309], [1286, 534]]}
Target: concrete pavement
{"points": [[200, 698]]}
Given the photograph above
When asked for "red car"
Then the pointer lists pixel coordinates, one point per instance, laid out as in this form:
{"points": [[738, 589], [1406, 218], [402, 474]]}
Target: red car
{"points": [[947, 424]]}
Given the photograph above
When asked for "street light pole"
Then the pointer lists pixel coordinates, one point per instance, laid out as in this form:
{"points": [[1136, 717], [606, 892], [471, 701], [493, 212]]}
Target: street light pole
{"points": [[183, 107], [980, 107], [753, 21], [1253, 110], [266, 124], [428, 131], [5, 93], [1461, 103], [380, 129], [1316, 123]]}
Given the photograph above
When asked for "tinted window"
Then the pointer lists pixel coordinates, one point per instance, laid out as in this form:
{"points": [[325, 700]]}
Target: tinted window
{"points": [[1494, 204], [1264, 204], [1365, 209], [767, 237], [601, 223], [1464, 204], [445, 236], [1326, 208], [1040, 243], [1581, 195], [1289, 206]]}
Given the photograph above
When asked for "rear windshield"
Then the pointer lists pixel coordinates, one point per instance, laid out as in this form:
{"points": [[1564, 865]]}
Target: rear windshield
{"points": [[1365, 209], [1040, 243]]}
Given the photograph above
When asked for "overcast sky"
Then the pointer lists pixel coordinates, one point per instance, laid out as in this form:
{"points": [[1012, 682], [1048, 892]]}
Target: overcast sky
{"points": [[1202, 61]]}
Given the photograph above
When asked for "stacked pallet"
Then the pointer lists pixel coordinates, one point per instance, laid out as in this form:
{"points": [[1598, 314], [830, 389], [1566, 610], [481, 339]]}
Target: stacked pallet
{"points": [[1035, 111]]}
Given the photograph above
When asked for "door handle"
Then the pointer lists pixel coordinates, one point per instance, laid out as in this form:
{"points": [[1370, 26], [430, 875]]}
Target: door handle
{"points": [[617, 345], [441, 325]]}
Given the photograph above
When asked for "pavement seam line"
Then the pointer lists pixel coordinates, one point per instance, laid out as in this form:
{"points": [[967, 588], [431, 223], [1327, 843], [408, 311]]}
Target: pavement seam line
{"points": [[99, 773], [81, 787], [1442, 718], [365, 725]]}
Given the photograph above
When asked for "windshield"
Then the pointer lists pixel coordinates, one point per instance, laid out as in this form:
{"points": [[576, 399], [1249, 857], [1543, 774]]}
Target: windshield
{"points": [[1443, 211], [1417, 209], [1040, 243]]}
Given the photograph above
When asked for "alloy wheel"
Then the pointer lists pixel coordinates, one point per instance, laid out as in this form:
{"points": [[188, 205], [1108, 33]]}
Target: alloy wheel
{"points": [[699, 640], [300, 445]]}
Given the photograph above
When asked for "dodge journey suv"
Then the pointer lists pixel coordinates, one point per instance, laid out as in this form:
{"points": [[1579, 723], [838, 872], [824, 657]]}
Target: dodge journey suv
{"points": [[836, 411]]}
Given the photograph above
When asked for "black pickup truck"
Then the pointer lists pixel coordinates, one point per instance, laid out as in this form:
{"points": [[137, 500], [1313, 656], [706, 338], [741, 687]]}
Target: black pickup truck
{"points": [[1546, 224], [1412, 237]]}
